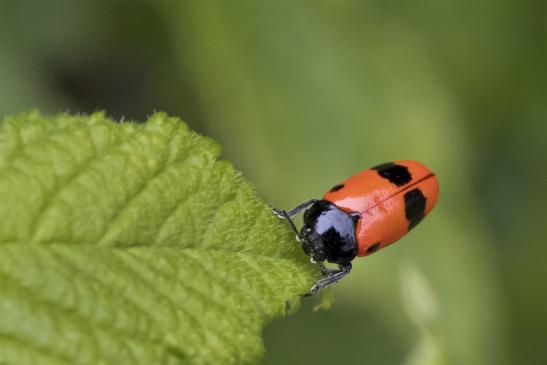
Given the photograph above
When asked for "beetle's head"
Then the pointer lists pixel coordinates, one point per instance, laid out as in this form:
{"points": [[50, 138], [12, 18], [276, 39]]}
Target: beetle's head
{"points": [[328, 233]]}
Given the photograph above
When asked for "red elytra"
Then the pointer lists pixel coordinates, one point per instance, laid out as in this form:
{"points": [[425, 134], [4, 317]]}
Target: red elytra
{"points": [[379, 196]]}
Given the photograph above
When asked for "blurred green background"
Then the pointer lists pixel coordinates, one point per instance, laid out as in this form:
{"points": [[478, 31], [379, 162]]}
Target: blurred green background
{"points": [[302, 94]]}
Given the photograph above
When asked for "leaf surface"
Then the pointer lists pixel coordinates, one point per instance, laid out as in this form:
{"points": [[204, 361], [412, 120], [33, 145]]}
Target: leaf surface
{"points": [[131, 243]]}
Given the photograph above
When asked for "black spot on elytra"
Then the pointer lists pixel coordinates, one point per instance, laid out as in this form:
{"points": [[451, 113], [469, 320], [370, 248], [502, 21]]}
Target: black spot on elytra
{"points": [[336, 188], [396, 174], [372, 249], [414, 207]]}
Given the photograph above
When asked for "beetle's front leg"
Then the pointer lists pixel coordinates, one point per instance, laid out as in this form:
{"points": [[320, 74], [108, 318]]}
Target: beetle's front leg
{"points": [[330, 279], [287, 215]]}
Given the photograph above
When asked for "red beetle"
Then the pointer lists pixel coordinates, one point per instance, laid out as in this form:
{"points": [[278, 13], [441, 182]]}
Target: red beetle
{"points": [[363, 214]]}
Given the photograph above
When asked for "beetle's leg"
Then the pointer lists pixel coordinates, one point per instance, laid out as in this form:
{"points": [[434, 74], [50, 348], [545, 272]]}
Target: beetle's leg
{"points": [[283, 214], [330, 279], [287, 215], [326, 271]]}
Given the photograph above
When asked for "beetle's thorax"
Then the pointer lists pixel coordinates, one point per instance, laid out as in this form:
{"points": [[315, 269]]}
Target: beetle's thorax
{"points": [[328, 233]]}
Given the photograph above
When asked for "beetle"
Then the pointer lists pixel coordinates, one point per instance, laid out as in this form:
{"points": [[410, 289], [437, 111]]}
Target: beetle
{"points": [[367, 212]]}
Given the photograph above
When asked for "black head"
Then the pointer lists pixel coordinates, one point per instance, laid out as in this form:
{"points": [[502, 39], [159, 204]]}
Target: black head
{"points": [[329, 233]]}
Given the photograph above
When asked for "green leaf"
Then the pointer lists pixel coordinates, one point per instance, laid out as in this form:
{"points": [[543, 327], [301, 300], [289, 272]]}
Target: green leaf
{"points": [[131, 243]]}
